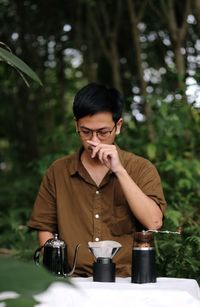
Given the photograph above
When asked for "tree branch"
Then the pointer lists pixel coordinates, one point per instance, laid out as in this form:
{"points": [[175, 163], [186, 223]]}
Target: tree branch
{"points": [[142, 9], [117, 16], [184, 26], [94, 24]]}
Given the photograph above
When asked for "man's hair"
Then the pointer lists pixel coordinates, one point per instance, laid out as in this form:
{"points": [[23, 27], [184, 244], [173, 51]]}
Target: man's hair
{"points": [[95, 98]]}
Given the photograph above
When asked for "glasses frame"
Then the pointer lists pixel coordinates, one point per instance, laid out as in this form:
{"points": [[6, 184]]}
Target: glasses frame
{"points": [[91, 132]]}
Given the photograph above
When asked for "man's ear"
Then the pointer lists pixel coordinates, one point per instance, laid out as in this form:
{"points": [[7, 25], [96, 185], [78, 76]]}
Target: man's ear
{"points": [[118, 126]]}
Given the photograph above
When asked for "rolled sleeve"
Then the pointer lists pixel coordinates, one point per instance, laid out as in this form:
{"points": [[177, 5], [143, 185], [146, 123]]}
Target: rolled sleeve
{"points": [[150, 183], [44, 215]]}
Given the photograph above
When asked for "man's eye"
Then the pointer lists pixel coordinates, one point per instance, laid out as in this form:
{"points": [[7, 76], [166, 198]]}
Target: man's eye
{"points": [[86, 132], [104, 132]]}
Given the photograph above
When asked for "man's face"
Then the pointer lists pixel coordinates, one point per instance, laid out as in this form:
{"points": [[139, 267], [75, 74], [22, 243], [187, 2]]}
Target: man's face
{"points": [[99, 128]]}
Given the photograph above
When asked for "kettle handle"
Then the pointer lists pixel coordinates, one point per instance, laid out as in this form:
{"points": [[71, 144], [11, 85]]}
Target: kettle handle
{"points": [[36, 256]]}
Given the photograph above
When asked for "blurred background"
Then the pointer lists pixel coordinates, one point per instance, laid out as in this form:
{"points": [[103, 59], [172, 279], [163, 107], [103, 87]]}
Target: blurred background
{"points": [[150, 51]]}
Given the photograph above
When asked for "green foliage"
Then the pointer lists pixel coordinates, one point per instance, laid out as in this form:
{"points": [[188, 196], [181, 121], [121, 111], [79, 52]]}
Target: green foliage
{"points": [[179, 256], [62, 141], [24, 279], [16, 199], [175, 151]]}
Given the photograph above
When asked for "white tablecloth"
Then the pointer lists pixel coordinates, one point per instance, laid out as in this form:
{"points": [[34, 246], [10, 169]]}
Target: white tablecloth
{"points": [[166, 292]]}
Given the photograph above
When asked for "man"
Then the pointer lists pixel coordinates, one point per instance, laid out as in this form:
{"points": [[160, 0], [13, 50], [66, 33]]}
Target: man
{"points": [[101, 192]]}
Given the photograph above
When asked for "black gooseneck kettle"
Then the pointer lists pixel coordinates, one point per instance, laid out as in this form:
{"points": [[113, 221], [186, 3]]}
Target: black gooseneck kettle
{"points": [[55, 257]]}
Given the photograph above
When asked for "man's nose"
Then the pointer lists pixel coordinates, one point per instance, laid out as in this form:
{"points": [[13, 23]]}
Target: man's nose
{"points": [[94, 136]]}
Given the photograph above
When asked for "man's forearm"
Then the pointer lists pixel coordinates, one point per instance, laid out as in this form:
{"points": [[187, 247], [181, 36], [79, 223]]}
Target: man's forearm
{"points": [[143, 207]]}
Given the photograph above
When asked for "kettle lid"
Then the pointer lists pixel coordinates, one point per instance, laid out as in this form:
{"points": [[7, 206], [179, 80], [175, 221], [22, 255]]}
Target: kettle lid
{"points": [[55, 242]]}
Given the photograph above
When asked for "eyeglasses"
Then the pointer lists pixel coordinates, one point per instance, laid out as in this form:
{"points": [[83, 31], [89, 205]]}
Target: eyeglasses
{"points": [[102, 134]]}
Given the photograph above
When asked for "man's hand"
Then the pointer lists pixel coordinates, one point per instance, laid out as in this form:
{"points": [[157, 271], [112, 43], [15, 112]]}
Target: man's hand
{"points": [[107, 155]]}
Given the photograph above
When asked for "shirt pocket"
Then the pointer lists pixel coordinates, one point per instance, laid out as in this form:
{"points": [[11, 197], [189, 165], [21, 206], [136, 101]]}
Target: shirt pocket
{"points": [[122, 221]]}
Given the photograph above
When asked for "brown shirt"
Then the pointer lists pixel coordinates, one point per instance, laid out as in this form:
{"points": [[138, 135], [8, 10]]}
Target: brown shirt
{"points": [[70, 203]]}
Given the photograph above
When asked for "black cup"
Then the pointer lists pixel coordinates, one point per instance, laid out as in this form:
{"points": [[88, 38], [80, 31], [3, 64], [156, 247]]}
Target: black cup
{"points": [[104, 270]]}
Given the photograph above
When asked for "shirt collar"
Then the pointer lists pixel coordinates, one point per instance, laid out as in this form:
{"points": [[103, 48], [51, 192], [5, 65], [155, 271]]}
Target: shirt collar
{"points": [[75, 163]]}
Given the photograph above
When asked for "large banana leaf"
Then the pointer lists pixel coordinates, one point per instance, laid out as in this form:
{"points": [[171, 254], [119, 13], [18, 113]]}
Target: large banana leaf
{"points": [[18, 64]]}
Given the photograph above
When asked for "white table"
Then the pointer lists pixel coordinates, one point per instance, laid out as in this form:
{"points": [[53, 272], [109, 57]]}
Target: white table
{"points": [[166, 292]]}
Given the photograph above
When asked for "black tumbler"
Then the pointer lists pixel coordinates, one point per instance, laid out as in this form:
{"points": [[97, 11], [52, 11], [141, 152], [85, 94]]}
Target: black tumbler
{"points": [[143, 259], [143, 268], [104, 270]]}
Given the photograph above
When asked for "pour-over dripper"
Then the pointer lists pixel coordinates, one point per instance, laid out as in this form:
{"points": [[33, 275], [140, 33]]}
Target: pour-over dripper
{"points": [[104, 251]]}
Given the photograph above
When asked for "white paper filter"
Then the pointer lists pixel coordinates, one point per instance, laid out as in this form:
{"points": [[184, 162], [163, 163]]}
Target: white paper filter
{"points": [[106, 249]]}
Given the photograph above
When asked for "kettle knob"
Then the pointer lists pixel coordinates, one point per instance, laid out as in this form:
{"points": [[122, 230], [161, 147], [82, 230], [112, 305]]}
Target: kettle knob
{"points": [[54, 242]]}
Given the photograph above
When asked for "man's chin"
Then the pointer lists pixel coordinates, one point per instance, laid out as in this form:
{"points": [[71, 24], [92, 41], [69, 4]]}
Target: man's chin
{"points": [[88, 151]]}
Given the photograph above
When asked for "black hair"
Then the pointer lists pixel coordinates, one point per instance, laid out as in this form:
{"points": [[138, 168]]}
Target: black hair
{"points": [[94, 98]]}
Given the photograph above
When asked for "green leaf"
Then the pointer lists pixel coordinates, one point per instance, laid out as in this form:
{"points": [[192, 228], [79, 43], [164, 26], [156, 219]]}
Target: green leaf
{"points": [[151, 151], [21, 301], [175, 216], [24, 278], [17, 63]]}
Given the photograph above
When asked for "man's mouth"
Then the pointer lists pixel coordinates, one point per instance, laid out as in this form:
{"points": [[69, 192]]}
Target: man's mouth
{"points": [[90, 148]]}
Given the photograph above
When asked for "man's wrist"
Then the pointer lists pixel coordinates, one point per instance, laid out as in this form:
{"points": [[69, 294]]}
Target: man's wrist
{"points": [[120, 172]]}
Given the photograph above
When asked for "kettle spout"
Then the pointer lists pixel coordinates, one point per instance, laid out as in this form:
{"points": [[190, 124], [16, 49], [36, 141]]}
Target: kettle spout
{"points": [[68, 274]]}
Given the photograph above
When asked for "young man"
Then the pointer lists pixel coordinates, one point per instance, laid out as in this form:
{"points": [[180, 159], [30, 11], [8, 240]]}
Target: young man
{"points": [[100, 192]]}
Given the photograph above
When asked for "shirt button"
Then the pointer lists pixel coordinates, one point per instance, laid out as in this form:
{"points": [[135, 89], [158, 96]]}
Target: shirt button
{"points": [[97, 192], [96, 239], [97, 216]]}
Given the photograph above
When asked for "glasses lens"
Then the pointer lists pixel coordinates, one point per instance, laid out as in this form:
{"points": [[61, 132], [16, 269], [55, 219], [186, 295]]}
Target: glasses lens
{"points": [[86, 134], [101, 134]]}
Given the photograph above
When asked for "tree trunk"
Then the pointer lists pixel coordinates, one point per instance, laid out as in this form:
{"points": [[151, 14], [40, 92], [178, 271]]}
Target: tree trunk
{"points": [[180, 65], [26, 109], [134, 20], [62, 86], [115, 65], [136, 45], [197, 13], [107, 38], [176, 21], [91, 54]]}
